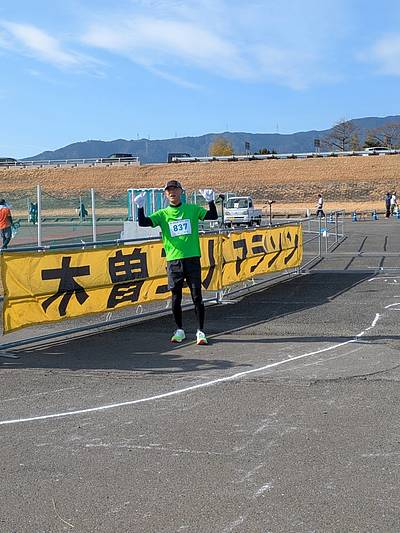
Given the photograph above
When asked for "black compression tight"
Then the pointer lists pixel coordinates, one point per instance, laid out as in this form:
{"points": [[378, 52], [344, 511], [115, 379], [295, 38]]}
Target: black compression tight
{"points": [[177, 307], [198, 306]]}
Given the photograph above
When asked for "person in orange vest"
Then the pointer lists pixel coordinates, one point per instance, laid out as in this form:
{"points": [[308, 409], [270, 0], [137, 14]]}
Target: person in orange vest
{"points": [[5, 223]]}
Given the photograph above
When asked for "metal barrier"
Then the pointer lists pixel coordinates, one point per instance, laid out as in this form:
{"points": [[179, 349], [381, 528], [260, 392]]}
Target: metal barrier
{"points": [[326, 233], [320, 236], [302, 155], [72, 162]]}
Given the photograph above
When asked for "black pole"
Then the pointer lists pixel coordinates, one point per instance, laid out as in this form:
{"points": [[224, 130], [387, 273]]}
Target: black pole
{"points": [[222, 197], [270, 202]]}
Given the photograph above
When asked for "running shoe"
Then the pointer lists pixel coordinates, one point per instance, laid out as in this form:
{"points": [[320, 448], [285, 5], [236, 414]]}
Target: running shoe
{"points": [[178, 336], [201, 337]]}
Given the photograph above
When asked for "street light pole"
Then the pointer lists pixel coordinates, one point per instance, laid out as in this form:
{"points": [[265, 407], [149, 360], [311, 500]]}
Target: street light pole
{"points": [[270, 202]]}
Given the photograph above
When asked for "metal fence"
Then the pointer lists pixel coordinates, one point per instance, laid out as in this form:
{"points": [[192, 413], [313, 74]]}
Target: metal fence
{"points": [[320, 236], [45, 218], [302, 155], [134, 160], [91, 162]]}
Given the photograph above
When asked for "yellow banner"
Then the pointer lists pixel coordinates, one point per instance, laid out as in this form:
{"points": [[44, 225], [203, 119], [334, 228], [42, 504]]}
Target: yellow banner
{"points": [[45, 287], [252, 253]]}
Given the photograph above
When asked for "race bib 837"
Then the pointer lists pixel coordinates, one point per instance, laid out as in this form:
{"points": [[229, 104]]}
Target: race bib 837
{"points": [[180, 227]]}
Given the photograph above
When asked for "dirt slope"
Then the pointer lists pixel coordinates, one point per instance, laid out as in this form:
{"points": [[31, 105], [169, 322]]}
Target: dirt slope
{"points": [[340, 179]]}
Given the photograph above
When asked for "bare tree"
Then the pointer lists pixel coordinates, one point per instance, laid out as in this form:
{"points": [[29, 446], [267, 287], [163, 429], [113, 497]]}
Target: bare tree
{"points": [[341, 135], [355, 142], [370, 140], [387, 135]]}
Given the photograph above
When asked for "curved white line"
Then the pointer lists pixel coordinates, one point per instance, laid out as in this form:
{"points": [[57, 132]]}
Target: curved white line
{"points": [[192, 387], [392, 305], [375, 321]]}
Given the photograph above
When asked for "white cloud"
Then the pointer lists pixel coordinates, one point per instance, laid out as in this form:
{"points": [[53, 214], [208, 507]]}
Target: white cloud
{"points": [[256, 41], [174, 79], [253, 42], [32, 41], [157, 42], [385, 54]]}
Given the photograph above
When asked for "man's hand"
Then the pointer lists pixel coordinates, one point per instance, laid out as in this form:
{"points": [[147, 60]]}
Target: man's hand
{"points": [[140, 199], [207, 194]]}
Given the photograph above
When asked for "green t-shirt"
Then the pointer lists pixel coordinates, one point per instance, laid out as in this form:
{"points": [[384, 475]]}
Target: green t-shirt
{"points": [[180, 230]]}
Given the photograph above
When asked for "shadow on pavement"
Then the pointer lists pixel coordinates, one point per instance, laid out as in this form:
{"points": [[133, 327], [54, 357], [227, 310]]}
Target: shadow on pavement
{"points": [[145, 346]]}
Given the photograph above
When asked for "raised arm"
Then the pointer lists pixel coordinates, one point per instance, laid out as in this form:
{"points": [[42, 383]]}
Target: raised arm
{"points": [[142, 219], [209, 196]]}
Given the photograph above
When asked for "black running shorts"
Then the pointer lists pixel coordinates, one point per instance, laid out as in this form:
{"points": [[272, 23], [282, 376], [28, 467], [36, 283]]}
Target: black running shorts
{"points": [[181, 270]]}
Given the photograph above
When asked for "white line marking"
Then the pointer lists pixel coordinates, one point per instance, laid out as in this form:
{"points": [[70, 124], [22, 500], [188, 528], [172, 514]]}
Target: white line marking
{"points": [[191, 388], [374, 322], [383, 279], [392, 305]]}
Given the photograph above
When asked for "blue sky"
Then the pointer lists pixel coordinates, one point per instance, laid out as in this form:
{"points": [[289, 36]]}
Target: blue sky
{"points": [[85, 69]]}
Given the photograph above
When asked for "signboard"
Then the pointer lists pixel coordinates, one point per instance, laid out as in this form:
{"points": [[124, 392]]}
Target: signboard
{"points": [[46, 287]]}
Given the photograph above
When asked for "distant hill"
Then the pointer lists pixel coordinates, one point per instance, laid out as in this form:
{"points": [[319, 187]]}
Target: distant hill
{"points": [[155, 151]]}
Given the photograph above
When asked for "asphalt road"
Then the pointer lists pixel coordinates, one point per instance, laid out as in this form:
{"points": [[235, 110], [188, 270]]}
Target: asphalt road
{"points": [[287, 422]]}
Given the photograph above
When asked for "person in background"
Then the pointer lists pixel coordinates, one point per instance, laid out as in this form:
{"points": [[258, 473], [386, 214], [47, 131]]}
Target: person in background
{"points": [[5, 223], [33, 213], [179, 225], [83, 213], [387, 204], [320, 206], [393, 203]]}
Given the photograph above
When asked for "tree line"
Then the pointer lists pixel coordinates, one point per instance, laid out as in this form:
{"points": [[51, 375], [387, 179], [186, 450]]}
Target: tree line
{"points": [[344, 136]]}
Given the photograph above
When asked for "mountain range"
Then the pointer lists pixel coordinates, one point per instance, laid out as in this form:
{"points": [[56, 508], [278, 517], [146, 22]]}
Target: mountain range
{"points": [[156, 151]]}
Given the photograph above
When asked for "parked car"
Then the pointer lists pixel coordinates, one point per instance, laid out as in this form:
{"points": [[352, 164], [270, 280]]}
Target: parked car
{"points": [[377, 149], [171, 156], [5, 161], [240, 210], [113, 158]]}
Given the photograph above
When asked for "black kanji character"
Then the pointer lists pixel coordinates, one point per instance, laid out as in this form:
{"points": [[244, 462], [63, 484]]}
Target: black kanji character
{"points": [[124, 292], [240, 244], [128, 267], [68, 286], [296, 245], [211, 259], [162, 289]]}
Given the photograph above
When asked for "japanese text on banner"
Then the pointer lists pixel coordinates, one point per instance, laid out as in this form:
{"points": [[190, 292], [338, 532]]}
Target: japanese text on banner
{"points": [[47, 287]]}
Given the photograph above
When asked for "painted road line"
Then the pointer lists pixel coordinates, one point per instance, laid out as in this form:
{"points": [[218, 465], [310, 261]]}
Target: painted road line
{"points": [[192, 388]]}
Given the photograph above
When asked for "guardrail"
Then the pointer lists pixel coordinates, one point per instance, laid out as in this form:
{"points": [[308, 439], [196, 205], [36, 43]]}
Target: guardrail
{"points": [[305, 155], [99, 161]]}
